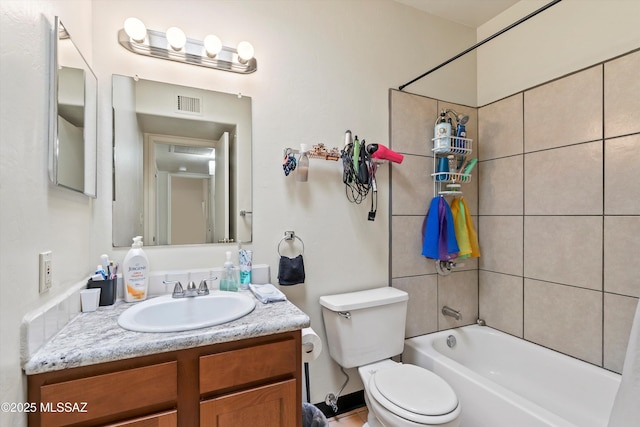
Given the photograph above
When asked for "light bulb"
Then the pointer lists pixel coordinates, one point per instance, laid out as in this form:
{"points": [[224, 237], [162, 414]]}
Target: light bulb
{"points": [[213, 45], [176, 38], [135, 29], [245, 51]]}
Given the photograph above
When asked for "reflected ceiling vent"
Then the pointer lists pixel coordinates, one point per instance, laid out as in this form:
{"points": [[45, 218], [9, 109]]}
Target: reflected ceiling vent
{"points": [[188, 104], [185, 149]]}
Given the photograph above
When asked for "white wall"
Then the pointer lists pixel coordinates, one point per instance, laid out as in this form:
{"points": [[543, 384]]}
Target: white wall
{"points": [[569, 36], [323, 67]]}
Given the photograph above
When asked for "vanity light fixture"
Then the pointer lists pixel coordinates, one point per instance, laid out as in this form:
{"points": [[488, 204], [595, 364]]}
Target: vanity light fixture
{"points": [[175, 46]]}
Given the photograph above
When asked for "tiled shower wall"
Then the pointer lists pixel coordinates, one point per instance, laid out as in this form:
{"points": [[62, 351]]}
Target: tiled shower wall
{"points": [[412, 121], [557, 196], [559, 212]]}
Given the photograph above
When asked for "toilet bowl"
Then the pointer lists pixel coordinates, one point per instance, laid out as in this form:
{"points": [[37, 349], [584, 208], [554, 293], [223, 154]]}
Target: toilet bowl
{"points": [[404, 395], [364, 330]]}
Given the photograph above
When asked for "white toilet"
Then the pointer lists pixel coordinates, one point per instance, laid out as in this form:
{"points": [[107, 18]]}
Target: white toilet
{"points": [[364, 330]]}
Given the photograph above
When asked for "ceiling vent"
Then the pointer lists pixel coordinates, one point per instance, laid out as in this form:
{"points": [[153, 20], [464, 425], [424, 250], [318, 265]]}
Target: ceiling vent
{"points": [[188, 104], [184, 149]]}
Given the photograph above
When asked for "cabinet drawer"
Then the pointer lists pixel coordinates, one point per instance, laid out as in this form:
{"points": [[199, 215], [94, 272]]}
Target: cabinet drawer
{"points": [[165, 419], [247, 365], [109, 394]]}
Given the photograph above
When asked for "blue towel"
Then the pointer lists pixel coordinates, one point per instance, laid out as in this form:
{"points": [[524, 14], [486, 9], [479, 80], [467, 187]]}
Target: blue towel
{"points": [[439, 236]]}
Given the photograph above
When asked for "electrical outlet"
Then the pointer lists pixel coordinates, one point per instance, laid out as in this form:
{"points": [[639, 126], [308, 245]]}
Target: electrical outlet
{"points": [[45, 271]]}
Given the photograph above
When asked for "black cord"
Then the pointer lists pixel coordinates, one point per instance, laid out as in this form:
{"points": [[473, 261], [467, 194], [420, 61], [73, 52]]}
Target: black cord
{"points": [[360, 180]]}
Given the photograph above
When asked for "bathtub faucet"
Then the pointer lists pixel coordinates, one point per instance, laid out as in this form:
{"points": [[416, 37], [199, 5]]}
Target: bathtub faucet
{"points": [[448, 311]]}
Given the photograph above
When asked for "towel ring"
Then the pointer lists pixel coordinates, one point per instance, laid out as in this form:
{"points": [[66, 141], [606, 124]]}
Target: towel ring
{"points": [[290, 235]]}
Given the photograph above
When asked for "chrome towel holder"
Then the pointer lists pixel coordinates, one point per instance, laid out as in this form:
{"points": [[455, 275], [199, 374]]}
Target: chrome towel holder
{"points": [[290, 235]]}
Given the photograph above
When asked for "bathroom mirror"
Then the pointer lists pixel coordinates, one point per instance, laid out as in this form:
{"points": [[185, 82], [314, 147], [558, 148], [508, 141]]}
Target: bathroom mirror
{"points": [[73, 116], [182, 164]]}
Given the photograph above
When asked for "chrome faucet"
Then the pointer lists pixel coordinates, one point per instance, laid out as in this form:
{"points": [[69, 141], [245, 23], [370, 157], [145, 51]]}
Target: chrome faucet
{"points": [[448, 311], [191, 291]]}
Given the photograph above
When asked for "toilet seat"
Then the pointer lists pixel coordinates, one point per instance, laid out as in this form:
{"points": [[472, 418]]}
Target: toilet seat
{"points": [[414, 393]]}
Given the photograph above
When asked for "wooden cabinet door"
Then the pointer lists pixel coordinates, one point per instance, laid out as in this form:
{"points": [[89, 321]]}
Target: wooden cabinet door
{"points": [[273, 405], [166, 419]]}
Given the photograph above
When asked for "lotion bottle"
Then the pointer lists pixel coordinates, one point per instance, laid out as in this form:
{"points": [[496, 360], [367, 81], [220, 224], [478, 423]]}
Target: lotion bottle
{"points": [[136, 272]]}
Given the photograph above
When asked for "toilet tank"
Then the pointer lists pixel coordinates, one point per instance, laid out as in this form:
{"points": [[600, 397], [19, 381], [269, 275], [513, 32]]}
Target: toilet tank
{"points": [[366, 326]]}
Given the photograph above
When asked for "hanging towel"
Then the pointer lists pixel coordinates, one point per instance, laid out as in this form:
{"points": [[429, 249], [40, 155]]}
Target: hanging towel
{"points": [[473, 236], [460, 224], [291, 270], [439, 237]]}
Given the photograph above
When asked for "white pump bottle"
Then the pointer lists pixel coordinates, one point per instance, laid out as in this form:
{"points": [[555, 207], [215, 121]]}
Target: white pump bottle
{"points": [[135, 272]]}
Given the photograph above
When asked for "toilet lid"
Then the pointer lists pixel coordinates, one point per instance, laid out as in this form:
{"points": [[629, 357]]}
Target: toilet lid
{"points": [[414, 389]]}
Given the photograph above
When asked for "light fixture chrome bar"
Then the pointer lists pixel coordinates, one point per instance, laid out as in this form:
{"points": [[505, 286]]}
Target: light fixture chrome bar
{"points": [[193, 52]]}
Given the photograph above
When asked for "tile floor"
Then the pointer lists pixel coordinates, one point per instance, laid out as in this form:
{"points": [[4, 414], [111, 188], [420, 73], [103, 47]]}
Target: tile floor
{"points": [[355, 418]]}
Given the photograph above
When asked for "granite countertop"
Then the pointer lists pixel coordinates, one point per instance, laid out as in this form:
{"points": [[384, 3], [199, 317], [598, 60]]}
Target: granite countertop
{"points": [[96, 337]]}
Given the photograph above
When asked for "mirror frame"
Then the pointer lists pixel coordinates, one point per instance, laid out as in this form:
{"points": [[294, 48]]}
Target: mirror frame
{"points": [[90, 115]]}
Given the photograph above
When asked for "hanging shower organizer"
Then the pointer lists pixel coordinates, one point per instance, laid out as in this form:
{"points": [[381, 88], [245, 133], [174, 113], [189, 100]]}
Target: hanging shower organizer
{"points": [[457, 155]]}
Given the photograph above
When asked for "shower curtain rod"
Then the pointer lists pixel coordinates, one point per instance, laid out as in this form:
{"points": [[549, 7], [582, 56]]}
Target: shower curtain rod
{"points": [[477, 45]]}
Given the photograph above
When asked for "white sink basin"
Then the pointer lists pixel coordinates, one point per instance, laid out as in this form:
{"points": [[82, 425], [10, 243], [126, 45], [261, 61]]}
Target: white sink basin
{"points": [[167, 314]]}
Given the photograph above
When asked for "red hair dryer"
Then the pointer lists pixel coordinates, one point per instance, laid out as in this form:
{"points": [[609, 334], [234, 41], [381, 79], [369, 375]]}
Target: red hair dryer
{"points": [[379, 151]]}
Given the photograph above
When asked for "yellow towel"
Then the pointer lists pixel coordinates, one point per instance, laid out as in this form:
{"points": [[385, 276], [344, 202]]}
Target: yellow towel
{"points": [[460, 225], [465, 233]]}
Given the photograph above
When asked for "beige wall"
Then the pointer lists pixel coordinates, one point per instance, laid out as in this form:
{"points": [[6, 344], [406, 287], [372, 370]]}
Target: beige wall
{"points": [[558, 212]]}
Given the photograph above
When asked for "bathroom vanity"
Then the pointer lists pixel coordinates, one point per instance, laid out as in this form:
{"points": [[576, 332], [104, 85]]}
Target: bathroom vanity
{"points": [[242, 373]]}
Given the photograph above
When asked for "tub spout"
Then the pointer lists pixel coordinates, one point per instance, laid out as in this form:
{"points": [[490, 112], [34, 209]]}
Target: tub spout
{"points": [[448, 311]]}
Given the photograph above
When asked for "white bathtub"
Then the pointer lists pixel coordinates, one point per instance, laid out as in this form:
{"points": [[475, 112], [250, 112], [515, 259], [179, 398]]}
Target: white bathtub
{"points": [[504, 381]]}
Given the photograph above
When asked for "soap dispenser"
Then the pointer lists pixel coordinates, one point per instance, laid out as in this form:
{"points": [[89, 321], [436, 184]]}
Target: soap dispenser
{"points": [[229, 281]]}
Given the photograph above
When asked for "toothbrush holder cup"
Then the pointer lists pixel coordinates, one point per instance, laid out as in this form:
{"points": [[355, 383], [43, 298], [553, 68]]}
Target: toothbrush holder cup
{"points": [[108, 290]]}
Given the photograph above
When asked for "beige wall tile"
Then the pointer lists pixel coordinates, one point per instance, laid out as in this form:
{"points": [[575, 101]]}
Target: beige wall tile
{"points": [[470, 190], [564, 318], [501, 300], [412, 120], [501, 186], [564, 181], [618, 318], [500, 128], [406, 247], [412, 185], [564, 249], [621, 245], [500, 239], [622, 95], [458, 290], [565, 111], [422, 310], [621, 183]]}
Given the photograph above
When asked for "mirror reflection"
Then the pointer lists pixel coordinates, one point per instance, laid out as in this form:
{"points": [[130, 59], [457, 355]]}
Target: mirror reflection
{"points": [[182, 164], [73, 138]]}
